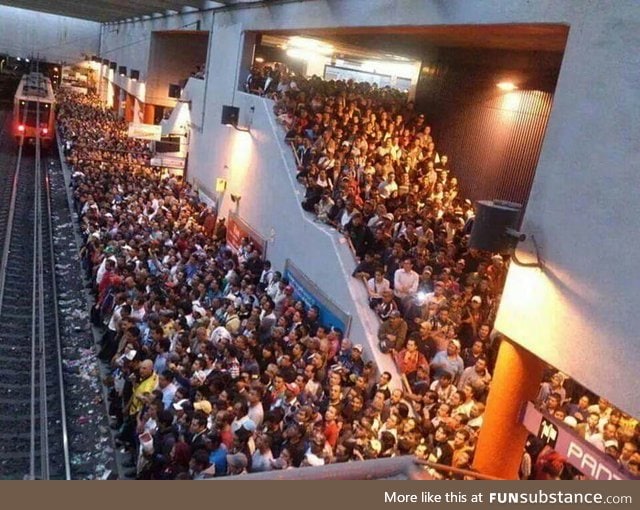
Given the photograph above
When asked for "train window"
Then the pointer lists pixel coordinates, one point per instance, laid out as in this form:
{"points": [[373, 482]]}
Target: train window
{"points": [[32, 114]]}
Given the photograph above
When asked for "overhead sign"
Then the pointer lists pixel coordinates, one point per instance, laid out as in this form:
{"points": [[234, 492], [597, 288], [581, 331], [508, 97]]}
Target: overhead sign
{"points": [[582, 455], [168, 161], [311, 295], [145, 131], [237, 230]]}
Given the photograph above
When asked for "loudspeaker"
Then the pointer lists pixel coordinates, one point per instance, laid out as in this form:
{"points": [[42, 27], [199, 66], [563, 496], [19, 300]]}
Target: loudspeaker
{"points": [[122, 70], [113, 65], [230, 115], [493, 219], [105, 61], [134, 74], [174, 91]]}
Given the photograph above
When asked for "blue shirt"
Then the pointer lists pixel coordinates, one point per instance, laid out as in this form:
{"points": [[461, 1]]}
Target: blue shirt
{"points": [[219, 459], [454, 366]]}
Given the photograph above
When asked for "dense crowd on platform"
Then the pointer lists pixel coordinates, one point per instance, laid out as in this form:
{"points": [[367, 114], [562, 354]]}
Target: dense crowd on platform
{"points": [[215, 369]]}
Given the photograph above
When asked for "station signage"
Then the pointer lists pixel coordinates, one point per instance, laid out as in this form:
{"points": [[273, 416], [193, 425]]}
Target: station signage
{"points": [[582, 455], [145, 131], [168, 161]]}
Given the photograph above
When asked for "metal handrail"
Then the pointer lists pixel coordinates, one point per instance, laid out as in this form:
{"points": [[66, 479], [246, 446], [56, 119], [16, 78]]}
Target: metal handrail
{"points": [[457, 471]]}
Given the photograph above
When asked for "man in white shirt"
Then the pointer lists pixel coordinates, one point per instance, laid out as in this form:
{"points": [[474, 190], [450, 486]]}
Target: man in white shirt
{"points": [[405, 282], [388, 186]]}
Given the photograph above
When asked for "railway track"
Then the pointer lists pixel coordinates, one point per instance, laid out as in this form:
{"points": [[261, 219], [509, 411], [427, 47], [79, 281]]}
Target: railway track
{"points": [[33, 435]]}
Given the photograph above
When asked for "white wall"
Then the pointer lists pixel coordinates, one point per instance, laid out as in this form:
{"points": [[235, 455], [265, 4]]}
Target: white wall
{"points": [[260, 167], [129, 43], [54, 38], [581, 314]]}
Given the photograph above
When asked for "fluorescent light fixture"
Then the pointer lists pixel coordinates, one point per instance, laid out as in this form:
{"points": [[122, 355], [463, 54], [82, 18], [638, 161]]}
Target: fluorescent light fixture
{"points": [[310, 44], [302, 54], [506, 85], [259, 60]]}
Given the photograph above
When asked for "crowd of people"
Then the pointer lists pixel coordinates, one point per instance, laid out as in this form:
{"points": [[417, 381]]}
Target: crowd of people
{"points": [[372, 170], [216, 369]]}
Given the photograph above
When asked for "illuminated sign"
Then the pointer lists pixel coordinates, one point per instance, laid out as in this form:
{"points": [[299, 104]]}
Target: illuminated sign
{"points": [[145, 131], [168, 161]]}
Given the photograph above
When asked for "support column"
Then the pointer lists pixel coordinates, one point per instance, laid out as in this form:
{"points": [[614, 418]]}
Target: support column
{"points": [[516, 379], [128, 108], [149, 113], [249, 42]]}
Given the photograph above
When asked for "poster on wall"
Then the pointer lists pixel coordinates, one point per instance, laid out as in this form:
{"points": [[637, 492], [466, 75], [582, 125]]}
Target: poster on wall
{"points": [[311, 295], [237, 229]]}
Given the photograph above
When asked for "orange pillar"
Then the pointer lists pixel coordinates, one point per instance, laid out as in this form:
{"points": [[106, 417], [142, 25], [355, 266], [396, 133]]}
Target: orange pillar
{"points": [[516, 379], [149, 113], [128, 111]]}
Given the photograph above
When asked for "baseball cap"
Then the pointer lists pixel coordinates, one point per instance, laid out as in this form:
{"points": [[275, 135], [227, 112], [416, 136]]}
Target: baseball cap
{"points": [[247, 424], [178, 405], [358, 347], [476, 299], [611, 443], [293, 388], [204, 406]]}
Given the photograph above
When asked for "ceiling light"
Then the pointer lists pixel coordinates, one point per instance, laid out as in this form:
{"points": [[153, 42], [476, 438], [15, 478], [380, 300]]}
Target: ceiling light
{"points": [[506, 85], [310, 44]]}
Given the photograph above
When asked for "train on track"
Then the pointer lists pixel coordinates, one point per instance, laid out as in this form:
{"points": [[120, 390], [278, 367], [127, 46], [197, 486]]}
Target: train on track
{"points": [[34, 110]]}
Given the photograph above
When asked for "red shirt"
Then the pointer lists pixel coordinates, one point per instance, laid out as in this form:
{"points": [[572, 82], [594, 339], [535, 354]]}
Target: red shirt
{"points": [[331, 432]]}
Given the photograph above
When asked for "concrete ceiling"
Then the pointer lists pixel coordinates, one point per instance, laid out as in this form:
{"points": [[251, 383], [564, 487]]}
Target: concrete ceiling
{"points": [[114, 10], [412, 40]]}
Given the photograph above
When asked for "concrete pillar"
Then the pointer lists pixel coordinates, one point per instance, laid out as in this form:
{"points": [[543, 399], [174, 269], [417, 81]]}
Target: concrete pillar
{"points": [[129, 107], [149, 113], [116, 98], [516, 379], [249, 41]]}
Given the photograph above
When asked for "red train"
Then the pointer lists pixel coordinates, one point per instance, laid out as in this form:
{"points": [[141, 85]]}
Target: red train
{"points": [[34, 110]]}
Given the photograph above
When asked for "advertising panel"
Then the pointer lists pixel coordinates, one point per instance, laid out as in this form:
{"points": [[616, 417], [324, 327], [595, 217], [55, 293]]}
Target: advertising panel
{"points": [[311, 295], [237, 229]]}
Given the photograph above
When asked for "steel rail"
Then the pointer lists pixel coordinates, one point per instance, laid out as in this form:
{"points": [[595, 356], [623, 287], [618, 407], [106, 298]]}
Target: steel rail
{"points": [[56, 318], [39, 437]]}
